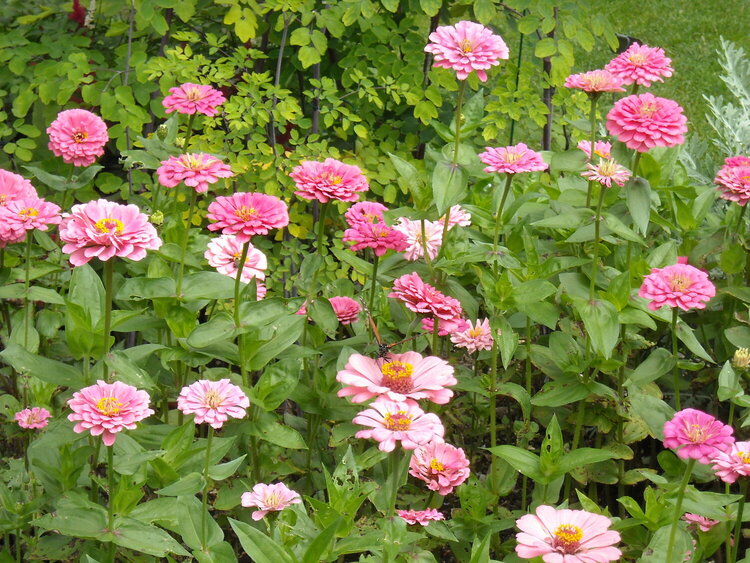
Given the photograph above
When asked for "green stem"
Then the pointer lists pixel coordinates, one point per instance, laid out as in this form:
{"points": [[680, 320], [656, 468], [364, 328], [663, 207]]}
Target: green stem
{"points": [[108, 289], [592, 124], [498, 221], [459, 107], [321, 227], [678, 509], [237, 284], [185, 239], [111, 499], [493, 396], [527, 344], [597, 233], [29, 317], [675, 369], [204, 499], [636, 163], [397, 471], [426, 254], [634, 91], [373, 281], [189, 133], [738, 521], [435, 336], [739, 230]]}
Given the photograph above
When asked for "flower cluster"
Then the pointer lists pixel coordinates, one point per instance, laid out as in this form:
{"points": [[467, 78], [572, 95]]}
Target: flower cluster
{"points": [[595, 82], [694, 434], [641, 64], [422, 298], [33, 418], [213, 402], [246, 214]]}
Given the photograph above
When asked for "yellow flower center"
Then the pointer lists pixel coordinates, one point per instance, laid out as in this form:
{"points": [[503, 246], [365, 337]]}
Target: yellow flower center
{"points": [[744, 457], [512, 157], [28, 212], [593, 81], [108, 406], [191, 162], [637, 59], [193, 94], [697, 433], [333, 179], [476, 332], [745, 178], [607, 168], [107, 224], [273, 500], [80, 136], [3, 197], [466, 46], [648, 110], [397, 376], [397, 421], [601, 153], [679, 283], [436, 466], [212, 399], [245, 213], [567, 538]]}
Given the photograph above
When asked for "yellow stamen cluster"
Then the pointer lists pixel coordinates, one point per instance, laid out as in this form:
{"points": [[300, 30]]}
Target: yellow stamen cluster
{"points": [[80, 136], [29, 212], [107, 224], [397, 370], [194, 94], [108, 406], [744, 457], [212, 399], [637, 59], [397, 421], [697, 433], [741, 358], [680, 283], [647, 110], [466, 46], [245, 213], [568, 537], [435, 465]]}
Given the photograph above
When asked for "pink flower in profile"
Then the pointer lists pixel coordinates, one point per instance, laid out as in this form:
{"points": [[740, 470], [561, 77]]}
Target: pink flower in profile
{"points": [[365, 212], [466, 47], [680, 285], [442, 466], [269, 498], [346, 309], [392, 422], [737, 161], [191, 98], [422, 298], [446, 326], [108, 408], [224, 254], [378, 236], [247, 214], [602, 149], [477, 337], [103, 229], [733, 463], [458, 217], [607, 172], [423, 517], [197, 170], [641, 64], [21, 215], [512, 159], [645, 121], [697, 521], [78, 136], [33, 418], [398, 377], [567, 536], [693, 434], [13, 186], [213, 402], [327, 180], [595, 82], [733, 182], [412, 230]]}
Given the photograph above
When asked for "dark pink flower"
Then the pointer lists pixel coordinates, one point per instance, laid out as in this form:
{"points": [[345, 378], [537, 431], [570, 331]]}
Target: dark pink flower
{"points": [[512, 159], [680, 285], [693, 434], [422, 298], [645, 121], [191, 98], [422, 517], [78, 136], [269, 498], [13, 186], [327, 180], [595, 82], [30, 212], [378, 236], [733, 181], [442, 466], [247, 214], [365, 212], [446, 326], [641, 64], [697, 521], [392, 422], [33, 418], [197, 170], [737, 161], [213, 402], [733, 463], [346, 309]]}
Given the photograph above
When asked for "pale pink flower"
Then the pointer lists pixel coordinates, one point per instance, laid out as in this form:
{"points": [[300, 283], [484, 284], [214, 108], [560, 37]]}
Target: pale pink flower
{"points": [[33, 418], [606, 172], [567, 536], [213, 402], [466, 47], [512, 159], [191, 98], [392, 422], [378, 236], [78, 136], [446, 326], [247, 214], [103, 229], [224, 254], [398, 377], [327, 180], [412, 230], [698, 521], [641, 64], [13, 186], [595, 82], [733, 463], [423, 517], [108, 408], [679, 285], [30, 212], [197, 170], [602, 149], [697, 435], [442, 466], [261, 290], [346, 309], [458, 216], [645, 121], [733, 182], [269, 498], [477, 337], [422, 298], [365, 212]]}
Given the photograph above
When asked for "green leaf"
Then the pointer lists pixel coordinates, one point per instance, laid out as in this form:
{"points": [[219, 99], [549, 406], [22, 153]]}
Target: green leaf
{"points": [[219, 328], [602, 324], [188, 485], [523, 461], [271, 431], [519, 394], [321, 544], [410, 179], [581, 458], [308, 56], [276, 384], [322, 313], [76, 521], [190, 520], [127, 371], [45, 369], [687, 336], [146, 538], [638, 199], [659, 362], [224, 470], [259, 546], [729, 383], [545, 48], [287, 332], [146, 288], [207, 285], [448, 185], [558, 393], [484, 10], [430, 7]]}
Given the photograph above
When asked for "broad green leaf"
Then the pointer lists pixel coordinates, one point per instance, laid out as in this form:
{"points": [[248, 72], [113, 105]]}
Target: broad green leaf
{"points": [[410, 179], [146, 538], [729, 383], [321, 544], [190, 519], [638, 198], [219, 328], [687, 336], [276, 384], [602, 324], [659, 362], [558, 393], [522, 460], [224, 470], [45, 369], [188, 485], [519, 394], [258, 545], [448, 185], [279, 434]]}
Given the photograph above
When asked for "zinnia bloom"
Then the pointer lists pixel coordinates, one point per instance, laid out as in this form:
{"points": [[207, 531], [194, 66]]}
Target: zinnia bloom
{"points": [[512, 159], [466, 47], [78, 136], [737, 161], [193, 98], [33, 418], [378, 236], [680, 285], [346, 309], [442, 466], [269, 498], [197, 170], [698, 521], [733, 463], [641, 64], [422, 298], [247, 214], [567, 536], [412, 230], [224, 254], [13, 186], [213, 402], [595, 82], [365, 212], [446, 326], [733, 182], [392, 422], [30, 212], [457, 216], [477, 337], [697, 435], [327, 180], [607, 172], [602, 149], [423, 517], [645, 121], [108, 408]]}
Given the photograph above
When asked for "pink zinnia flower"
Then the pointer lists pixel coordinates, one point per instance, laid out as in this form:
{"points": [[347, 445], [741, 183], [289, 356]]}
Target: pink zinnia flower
{"points": [[607, 172], [346, 309], [378, 236], [78, 136], [698, 521], [466, 47], [457, 216], [392, 422], [422, 298], [197, 170], [399, 377], [247, 214], [193, 98], [733, 463], [697, 435], [412, 230], [446, 326], [224, 254], [641, 64], [680, 285], [737, 161], [512, 159], [567, 536], [213, 402], [33, 418], [442, 466], [477, 337], [733, 181], [269, 498], [13, 186], [602, 149], [423, 517], [645, 121], [21, 215], [108, 408], [327, 180], [365, 212], [595, 82]]}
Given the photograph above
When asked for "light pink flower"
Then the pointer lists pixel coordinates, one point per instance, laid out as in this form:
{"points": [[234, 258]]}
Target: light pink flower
{"points": [[446, 326], [641, 64], [392, 422], [512, 159], [466, 47], [327, 180], [346, 309], [78, 136], [247, 214], [30, 212], [595, 82], [733, 182], [412, 230], [103, 229], [213, 402], [197, 170], [680, 285], [442, 466], [191, 98], [269, 498], [108, 408], [602, 149], [697, 435], [378, 236], [645, 121], [422, 298], [477, 337], [698, 521], [33, 418], [733, 463], [458, 216], [224, 254], [422, 517], [13, 186], [398, 377], [567, 536], [607, 172], [365, 212]]}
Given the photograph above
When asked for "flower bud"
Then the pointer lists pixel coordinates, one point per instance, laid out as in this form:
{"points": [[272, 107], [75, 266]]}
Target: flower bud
{"points": [[741, 359], [157, 218]]}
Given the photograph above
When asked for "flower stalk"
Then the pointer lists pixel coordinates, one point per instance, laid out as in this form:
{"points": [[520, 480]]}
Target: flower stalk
{"points": [[498, 221], [678, 508], [206, 487]]}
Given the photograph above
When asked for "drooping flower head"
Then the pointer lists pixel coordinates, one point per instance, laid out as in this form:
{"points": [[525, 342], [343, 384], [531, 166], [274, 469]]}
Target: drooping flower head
{"points": [[193, 98], [641, 64], [13, 186], [78, 136], [103, 229], [346, 309], [412, 230], [477, 337], [733, 182], [378, 236], [595, 82], [512, 159], [246, 214], [224, 254], [693, 434], [269, 498], [466, 47], [457, 216], [733, 463], [390, 422], [33, 418], [680, 285], [108, 408], [30, 212], [197, 170], [327, 180], [420, 297], [365, 212], [696, 521], [602, 149], [442, 466], [567, 536], [422, 517], [606, 172], [645, 121], [213, 402]]}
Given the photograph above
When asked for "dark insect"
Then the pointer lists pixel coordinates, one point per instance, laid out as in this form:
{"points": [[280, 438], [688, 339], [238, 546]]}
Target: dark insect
{"points": [[384, 349]]}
